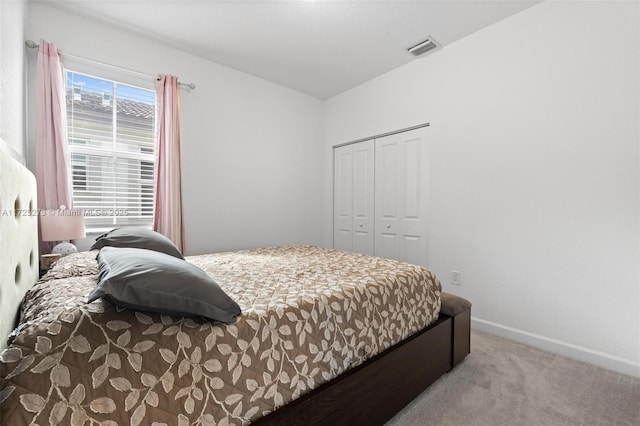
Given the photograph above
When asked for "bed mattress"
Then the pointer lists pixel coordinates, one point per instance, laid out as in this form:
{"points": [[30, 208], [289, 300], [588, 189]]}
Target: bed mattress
{"points": [[309, 314]]}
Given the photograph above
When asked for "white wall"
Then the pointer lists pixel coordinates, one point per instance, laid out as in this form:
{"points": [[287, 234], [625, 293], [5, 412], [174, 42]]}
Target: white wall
{"points": [[533, 172], [250, 148], [12, 59]]}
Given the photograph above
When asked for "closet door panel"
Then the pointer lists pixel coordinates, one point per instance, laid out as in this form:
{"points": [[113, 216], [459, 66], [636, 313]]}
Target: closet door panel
{"points": [[353, 197], [401, 190], [343, 199], [387, 197], [411, 179], [387, 245], [414, 166], [411, 250], [363, 193], [413, 189]]}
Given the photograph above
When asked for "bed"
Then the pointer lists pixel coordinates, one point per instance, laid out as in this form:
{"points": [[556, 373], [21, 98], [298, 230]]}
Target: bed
{"points": [[325, 337]]}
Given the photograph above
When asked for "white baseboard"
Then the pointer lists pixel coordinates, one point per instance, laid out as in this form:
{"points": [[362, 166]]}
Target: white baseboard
{"points": [[601, 359]]}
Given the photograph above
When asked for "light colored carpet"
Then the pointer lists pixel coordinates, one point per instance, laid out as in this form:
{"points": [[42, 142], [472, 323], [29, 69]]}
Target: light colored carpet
{"points": [[503, 382]]}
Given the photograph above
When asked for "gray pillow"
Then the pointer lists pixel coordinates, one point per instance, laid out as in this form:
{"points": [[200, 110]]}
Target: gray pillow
{"points": [[147, 280], [138, 238]]}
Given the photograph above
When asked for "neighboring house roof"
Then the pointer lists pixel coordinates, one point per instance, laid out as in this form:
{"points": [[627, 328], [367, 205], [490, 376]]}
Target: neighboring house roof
{"points": [[93, 101]]}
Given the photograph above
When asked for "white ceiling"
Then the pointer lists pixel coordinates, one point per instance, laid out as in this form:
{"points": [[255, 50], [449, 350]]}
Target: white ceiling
{"points": [[321, 48]]}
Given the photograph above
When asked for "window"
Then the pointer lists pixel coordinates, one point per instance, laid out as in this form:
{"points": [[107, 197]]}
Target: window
{"points": [[79, 172], [111, 128]]}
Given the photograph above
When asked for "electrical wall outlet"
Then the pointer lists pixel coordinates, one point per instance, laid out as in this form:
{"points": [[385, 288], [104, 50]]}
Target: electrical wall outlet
{"points": [[455, 277]]}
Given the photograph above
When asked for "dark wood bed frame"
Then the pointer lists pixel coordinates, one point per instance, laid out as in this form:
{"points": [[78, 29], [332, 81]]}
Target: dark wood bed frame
{"points": [[375, 391]]}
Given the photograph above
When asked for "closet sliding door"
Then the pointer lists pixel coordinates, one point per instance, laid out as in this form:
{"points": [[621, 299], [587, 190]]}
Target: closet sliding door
{"points": [[353, 197], [401, 197], [343, 198], [380, 197]]}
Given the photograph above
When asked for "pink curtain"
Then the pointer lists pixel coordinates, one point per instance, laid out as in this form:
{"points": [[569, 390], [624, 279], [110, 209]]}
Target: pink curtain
{"points": [[52, 156], [167, 215]]}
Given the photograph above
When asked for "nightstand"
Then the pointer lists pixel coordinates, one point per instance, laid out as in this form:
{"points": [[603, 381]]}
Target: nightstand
{"points": [[46, 260]]}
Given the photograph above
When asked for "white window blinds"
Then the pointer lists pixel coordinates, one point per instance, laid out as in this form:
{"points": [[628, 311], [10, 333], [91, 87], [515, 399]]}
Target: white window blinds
{"points": [[111, 128]]}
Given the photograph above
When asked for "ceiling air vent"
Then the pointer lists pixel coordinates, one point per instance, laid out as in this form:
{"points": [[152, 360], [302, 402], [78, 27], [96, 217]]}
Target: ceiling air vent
{"points": [[423, 47]]}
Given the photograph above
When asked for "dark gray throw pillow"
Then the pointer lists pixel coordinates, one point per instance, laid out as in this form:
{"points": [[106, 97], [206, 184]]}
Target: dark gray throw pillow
{"points": [[147, 280], [138, 238]]}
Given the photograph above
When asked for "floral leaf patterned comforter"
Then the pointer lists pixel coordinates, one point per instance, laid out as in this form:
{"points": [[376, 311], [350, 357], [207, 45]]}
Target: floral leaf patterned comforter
{"points": [[309, 314]]}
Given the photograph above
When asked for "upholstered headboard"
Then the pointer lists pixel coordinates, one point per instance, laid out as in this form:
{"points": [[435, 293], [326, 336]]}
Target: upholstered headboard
{"points": [[18, 238]]}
